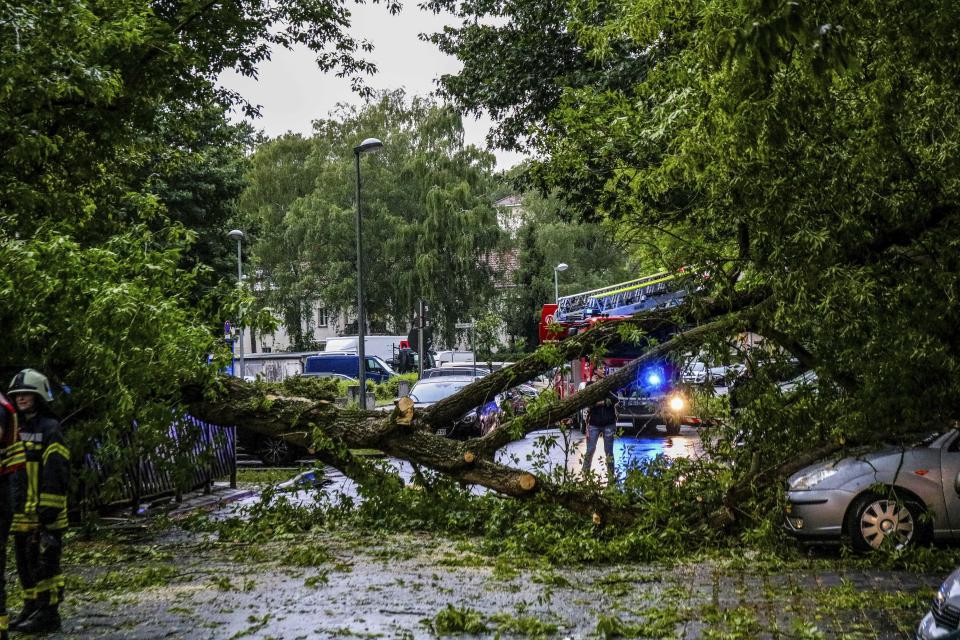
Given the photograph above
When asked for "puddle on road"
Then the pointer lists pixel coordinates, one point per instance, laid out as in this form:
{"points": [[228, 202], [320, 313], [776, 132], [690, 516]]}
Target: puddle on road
{"points": [[631, 451], [541, 452]]}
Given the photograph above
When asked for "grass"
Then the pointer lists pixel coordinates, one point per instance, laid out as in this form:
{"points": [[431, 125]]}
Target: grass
{"points": [[259, 477]]}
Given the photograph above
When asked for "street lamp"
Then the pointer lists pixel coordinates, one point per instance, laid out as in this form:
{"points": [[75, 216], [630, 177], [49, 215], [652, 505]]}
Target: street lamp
{"points": [[237, 235], [370, 145], [563, 266]]}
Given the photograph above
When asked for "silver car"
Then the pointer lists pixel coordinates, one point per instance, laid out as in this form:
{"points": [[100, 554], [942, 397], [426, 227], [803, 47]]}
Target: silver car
{"points": [[944, 615], [898, 496], [694, 373]]}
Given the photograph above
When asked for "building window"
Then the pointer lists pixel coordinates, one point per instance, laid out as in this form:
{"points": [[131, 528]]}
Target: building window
{"points": [[322, 319]]}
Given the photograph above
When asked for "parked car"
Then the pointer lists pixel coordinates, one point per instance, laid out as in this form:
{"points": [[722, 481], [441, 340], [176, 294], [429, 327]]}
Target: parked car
{"points": [[348, 364], [725, 374], [459, 371], [459, 357], [339, 377], [894, 496], [383, 347], [428, 392], [271, 450], [943, 618], [694, 373]]}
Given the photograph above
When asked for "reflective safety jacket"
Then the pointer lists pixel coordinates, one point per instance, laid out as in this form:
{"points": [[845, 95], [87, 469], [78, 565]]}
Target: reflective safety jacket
{"points": [[9, 435], [41, 475]]}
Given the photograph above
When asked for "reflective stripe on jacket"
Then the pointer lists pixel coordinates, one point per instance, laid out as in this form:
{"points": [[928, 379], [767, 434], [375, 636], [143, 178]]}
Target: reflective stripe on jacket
{"points": [[41, 474]]}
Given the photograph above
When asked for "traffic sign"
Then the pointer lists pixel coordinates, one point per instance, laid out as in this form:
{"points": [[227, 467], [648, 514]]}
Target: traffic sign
{"points": [[464, 325]]}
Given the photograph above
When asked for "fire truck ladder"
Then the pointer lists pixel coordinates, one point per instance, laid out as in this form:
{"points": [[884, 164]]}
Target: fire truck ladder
{"points": [[599, 301]]}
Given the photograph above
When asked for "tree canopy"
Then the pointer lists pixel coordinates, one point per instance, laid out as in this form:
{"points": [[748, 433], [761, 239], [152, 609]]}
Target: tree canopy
{"points": [[117, 181], [804, 150]]}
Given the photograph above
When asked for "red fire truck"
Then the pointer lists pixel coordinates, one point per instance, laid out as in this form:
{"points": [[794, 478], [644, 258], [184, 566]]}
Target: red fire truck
{"points": [[653, 397]]}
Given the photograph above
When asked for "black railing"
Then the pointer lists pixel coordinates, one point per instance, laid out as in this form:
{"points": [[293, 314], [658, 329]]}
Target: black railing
{"points": [[195, 454]]}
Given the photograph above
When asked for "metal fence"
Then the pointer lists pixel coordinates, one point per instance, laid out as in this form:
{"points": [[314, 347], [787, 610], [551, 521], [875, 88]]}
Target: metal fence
{"points": [[197, 452]]}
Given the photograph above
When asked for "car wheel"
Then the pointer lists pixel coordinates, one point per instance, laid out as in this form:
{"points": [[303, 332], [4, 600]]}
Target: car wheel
{"points": [[673, 425], [874, 520], [276, 452]]}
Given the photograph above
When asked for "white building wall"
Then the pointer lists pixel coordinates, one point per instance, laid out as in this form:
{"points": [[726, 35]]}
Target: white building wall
{"points": [[321, 326]]}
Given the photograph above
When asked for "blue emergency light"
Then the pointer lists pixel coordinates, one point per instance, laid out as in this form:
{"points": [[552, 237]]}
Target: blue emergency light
{"points": [[651, 378]]}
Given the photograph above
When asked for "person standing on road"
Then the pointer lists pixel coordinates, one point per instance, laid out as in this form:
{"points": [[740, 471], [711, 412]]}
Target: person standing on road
{"points": [[39, 503], [602, 420], [9, 463]]}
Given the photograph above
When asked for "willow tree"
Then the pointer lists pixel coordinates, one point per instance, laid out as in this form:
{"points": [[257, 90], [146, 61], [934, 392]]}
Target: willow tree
{"points": [[428, 222]]}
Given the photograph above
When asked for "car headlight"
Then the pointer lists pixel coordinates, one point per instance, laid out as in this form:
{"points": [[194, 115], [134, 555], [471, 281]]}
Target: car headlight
{"points": [[812, 479], [677, 403], [939, 599]]}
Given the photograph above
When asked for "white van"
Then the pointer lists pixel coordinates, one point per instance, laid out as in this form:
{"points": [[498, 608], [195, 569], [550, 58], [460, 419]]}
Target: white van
{"points": [[454, 357], [384, 347]]}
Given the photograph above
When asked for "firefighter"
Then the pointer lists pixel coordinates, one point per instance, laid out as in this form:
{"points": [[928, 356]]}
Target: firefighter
{"points": [[8, 464], [39, 503]]}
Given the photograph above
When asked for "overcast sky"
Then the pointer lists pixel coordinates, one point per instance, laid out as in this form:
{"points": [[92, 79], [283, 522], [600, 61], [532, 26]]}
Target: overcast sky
{"points": [[293, 92]]}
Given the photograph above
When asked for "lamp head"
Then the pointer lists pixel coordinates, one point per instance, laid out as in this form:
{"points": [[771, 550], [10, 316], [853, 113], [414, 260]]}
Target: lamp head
{"points": [[235, 234], [563, 266], [369, 145]]}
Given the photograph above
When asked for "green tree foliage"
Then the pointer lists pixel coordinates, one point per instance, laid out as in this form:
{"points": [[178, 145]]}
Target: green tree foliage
{"points": [[518, 59], [278, 175], [806, 149], [544, 240], [116, 183], [428, 224]]}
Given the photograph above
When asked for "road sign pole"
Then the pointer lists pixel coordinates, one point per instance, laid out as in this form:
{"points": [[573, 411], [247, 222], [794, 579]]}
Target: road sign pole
{"points": [[421, 349]]}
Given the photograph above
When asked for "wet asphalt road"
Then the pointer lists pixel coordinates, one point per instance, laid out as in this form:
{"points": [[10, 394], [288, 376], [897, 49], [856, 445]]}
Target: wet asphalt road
{"points": [[628, 450]]}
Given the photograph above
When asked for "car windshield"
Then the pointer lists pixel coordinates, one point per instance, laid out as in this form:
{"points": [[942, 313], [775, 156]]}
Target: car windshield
{"points": [[436, 391]]}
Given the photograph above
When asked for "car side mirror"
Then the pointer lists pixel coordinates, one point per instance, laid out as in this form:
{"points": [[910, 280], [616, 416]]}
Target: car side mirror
{"points": [[956, 484]]}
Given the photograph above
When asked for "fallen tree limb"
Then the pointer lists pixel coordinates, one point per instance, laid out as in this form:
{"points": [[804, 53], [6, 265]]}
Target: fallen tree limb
{"points": [[407, 435], [242, 403], [401, 434]]}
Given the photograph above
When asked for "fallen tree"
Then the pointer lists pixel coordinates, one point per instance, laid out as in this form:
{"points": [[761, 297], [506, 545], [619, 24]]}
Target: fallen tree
{"points": [[408, 434]]}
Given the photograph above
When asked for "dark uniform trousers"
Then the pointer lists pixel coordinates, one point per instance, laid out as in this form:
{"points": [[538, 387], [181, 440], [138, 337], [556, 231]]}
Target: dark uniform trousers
{"points": [[38, 566], [5, 519]]}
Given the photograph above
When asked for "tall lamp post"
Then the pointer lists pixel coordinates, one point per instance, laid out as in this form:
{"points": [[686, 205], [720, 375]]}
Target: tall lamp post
{"points": [[370, 145], [237, 235], [563, 266]]}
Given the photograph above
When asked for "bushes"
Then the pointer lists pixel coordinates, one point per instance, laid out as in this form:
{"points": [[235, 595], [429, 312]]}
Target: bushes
{"points": [[389, 389], [383, 391]]}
